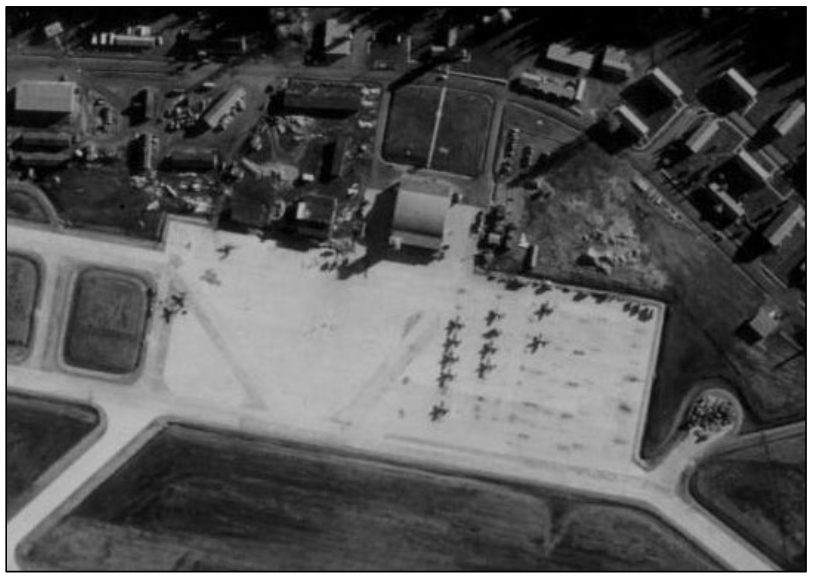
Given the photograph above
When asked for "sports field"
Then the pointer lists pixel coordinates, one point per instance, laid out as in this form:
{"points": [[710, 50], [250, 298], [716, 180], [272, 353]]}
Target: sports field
{"points": [[39, 432], [198, 499], [22, 288], [108, 319], [410, 124], [462, 133], [438, 128]]}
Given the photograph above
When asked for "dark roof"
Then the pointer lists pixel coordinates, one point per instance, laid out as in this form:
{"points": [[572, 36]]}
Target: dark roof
{"points": [[192, 159], [336, 150], [250, 211], [43, 159], [47, 140], [313, 102]]}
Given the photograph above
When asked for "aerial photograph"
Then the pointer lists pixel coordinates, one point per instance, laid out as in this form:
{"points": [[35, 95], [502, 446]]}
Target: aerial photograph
{"points": [[352, 289]]}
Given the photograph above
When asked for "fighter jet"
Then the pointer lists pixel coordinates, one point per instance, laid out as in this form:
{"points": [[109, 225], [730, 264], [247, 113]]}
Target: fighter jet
{"points": [[450, 343], [178, 300], [438, 411], [491, 334], [225, 250], [445, 378], [536, 343], [454, 325], [493, 316], [483, 368], [544, 310], [487, 349], [449, 358]]}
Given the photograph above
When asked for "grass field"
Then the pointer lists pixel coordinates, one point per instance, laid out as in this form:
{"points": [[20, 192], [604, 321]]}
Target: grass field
{"points": [[760, 490], [38, 433], [195, 499], [108, 319], [20, 204], [22, 288], [462, 133], [463, 129], [102, 199], [711, 299], [410, 124]]}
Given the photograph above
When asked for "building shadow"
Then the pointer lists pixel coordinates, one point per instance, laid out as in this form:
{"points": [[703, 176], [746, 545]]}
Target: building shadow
{"points": [[611, 138]]}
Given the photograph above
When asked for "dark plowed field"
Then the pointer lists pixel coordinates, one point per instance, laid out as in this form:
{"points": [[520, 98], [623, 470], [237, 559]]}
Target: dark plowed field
{"points": [[760, 491], [38, 433], [206, 500]]}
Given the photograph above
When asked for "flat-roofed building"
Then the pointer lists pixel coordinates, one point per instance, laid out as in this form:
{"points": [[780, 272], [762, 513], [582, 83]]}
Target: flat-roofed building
{"points": [[144, 152], [567, 59], [420, 214], [312, 104], [763, 324], [790, 118], [223, 106], [132, 41], [338, 38], [615, 64], [316, 215], [550, 86], [745, 94], [53, 29], [631, 121], [784, 224], [191, 160], [702, 135], [45, 97], [665, 84], [334, 157]]}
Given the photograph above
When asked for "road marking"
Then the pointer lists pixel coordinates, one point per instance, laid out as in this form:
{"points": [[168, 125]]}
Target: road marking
{"points": [[438, 115]]}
